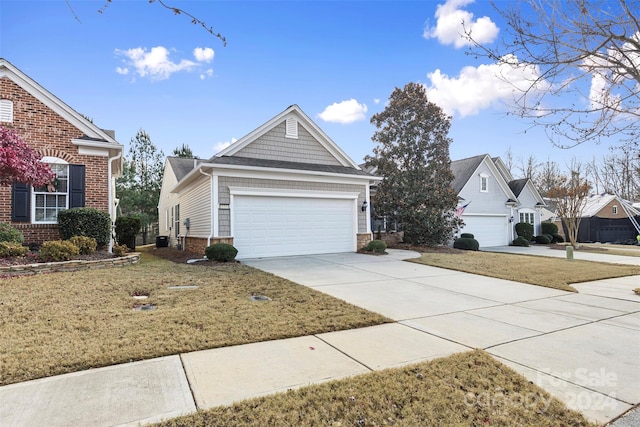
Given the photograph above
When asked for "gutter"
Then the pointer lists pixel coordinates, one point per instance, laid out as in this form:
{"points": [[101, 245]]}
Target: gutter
{"points": [[111, 193]]}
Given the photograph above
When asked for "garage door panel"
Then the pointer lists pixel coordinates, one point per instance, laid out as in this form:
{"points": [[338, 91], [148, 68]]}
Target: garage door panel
{"points": [[278, 226], [487, 230]]}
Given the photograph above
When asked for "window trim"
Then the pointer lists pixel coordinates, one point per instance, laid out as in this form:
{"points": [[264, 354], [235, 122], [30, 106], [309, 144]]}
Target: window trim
{"points": [[35, 193], [484, 183], [615, 209]]}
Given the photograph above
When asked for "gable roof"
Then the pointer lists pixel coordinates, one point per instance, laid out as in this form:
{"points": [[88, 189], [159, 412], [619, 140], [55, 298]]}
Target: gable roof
{"points": [[303, 120], [463, 170], [90, 130], [182, 166], [596, 202], [93, 136], [517, 185]]}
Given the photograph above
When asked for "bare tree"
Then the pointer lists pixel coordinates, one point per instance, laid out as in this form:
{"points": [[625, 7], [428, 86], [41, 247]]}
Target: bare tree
{"points": [[619, 173], [579, 63], [548, 177], [528, 167], [508, 160], [569, 197]]}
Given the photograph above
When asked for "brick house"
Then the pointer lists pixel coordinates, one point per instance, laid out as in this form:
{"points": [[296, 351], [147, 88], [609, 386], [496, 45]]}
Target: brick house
{"points": [[85, 158]]}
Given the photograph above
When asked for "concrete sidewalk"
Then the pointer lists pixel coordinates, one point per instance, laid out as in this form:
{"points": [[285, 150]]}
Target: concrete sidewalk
{"points": [[584, 349], [542, 250]]}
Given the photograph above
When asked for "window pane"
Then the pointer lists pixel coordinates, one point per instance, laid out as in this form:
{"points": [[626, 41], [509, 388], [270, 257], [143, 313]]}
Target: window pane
{"points": [[39, 214], [39, 200], [62, 201]]}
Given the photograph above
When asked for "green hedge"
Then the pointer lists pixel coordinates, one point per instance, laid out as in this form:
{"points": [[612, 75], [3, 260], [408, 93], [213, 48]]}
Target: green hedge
{"points": [[10, 234], [127, 228], [524, 229], [88, 222], [57, 250], [467, 235], [549, 228], [557, 238], [11, 249], [222, 252], [376, 246], [543, 239], [466, 243], [520, 241]]}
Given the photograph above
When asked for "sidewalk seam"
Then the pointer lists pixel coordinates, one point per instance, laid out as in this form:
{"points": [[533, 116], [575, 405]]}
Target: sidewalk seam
{"points": [[193, 396]]}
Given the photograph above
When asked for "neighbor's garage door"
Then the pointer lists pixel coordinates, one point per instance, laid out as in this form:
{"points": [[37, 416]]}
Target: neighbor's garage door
{"points": [[487, 230], [278, 226]]}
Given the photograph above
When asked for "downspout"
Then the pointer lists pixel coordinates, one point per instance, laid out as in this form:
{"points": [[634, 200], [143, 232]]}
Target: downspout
{"points": [[111, 195], [214, 200]]}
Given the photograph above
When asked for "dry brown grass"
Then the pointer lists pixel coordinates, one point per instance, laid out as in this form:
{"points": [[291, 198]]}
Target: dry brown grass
{"points": [[625, 250], [550, 272], [65, 322], [466, 389]]}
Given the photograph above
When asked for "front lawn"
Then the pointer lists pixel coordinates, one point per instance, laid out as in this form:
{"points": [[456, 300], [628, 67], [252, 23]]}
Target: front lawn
{"points": [[550, 272], [465, 389], [56, 323]]}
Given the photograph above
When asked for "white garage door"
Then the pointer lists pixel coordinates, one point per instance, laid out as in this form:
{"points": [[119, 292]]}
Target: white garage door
{"points": [[278, 226], [487, 230]]}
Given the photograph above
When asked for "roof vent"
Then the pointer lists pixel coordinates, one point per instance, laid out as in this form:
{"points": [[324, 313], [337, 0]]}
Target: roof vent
{"points": [[291, 128]]}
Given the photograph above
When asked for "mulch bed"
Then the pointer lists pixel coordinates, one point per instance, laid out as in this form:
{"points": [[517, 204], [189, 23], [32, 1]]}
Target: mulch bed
{"points": [[181, 257], [428, 249], [32, 258]]}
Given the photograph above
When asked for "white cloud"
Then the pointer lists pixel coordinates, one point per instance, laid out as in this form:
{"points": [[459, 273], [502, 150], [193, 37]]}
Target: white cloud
{"points": [[154, 63], [222, 145], [203, 54], [124, 71], [475, 89], [452, 22], [207, 74], [344, 112], [376, 101]]}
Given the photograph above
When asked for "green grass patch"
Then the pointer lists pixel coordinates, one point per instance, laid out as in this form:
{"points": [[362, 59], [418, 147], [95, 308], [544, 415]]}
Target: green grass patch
{"points": [[557, 273], [465, 389], [57, 323]]}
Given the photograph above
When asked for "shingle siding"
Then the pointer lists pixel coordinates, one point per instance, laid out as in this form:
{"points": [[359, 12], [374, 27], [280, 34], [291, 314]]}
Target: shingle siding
{"points": [[273, 145]]}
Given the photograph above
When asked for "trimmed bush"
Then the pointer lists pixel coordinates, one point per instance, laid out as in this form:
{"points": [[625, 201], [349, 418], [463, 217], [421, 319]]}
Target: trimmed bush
{"points": [[86, 245], [524, 229], [543, 239], [557, 238], [120, 250], [222, 252], [376, 246], [10, 234], [466, 243], [127, 228], [549, 228], [58, 250], [520, 241], [8, 249], [467, 235], [88, 222]]}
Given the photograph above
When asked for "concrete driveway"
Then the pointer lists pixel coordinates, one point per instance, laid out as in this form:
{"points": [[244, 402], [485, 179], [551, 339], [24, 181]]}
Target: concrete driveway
{"points": [[584, 348]]}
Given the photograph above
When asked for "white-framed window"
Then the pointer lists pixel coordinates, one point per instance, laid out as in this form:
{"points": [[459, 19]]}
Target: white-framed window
{"points": [[6, 110], [176, 224], [484, 183], [527, 217], [615, 209], [48, 200]]}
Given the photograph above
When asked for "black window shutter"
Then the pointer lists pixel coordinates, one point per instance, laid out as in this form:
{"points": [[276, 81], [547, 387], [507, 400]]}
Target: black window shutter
{"points": [[76, 186], [20, 202]]}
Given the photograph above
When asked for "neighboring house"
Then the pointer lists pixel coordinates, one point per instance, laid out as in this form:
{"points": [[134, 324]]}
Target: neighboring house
{"points": [[492, 202], [284, 189], [606, 218], [85, 158]]}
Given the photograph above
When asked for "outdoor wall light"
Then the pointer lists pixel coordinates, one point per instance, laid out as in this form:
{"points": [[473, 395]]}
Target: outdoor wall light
{"points": [[364, 206], [511, 219]]}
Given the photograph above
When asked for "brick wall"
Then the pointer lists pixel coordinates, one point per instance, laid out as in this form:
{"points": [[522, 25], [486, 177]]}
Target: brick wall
{"points": [[363, 240], [197, 245], [50, 135]]}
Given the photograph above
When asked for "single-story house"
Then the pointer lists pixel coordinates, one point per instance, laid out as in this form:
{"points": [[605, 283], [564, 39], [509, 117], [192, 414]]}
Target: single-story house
{"points": [[491, 202], [283, 189], [607, 218], [85, 158]]}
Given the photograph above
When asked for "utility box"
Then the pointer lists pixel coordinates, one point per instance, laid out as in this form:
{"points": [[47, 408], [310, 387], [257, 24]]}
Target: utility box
{"points": [[162, 241]]}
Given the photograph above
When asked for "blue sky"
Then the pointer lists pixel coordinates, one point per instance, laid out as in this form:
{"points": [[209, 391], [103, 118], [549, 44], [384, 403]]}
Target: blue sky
{"points": [[136, 65]]}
